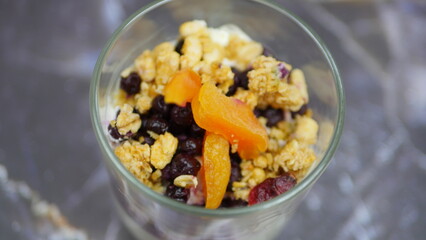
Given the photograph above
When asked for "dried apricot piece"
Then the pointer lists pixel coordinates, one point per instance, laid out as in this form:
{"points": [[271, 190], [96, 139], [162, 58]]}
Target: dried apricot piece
{"points": [[216, 169], [231, 118], [182, 87]]}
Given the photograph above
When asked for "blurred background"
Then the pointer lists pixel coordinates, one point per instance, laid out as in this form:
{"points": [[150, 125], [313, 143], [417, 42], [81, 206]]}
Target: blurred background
{"points": [[53, 184]]}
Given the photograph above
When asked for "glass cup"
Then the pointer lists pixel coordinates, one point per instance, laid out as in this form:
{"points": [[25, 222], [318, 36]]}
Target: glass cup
{"points": [[150, 215]]}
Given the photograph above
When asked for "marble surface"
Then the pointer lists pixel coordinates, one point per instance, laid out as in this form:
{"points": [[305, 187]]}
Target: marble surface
{"points": [[53, 184]]}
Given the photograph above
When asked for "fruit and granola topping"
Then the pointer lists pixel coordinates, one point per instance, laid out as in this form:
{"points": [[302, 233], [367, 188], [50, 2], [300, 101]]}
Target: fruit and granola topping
{"points": [[214, 120]]}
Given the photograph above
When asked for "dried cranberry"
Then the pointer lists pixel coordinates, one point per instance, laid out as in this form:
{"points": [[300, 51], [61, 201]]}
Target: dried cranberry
{"points": [[157, 125], [231, 203], [273, 116], [271, 188], [196, 131], [131, 84], [301, 111], [177, 193], [113, 131], [191, 146], [284, 183], [179, 45], [159, 106], [182, 115], [181, 164], [282, 70]]}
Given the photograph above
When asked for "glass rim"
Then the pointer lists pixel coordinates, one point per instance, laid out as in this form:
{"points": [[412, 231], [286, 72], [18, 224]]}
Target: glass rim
{"points": [[292, 193]]}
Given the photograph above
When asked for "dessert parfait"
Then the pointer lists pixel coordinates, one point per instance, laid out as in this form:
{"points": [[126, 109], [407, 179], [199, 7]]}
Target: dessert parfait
{"points": [[214, 119]]}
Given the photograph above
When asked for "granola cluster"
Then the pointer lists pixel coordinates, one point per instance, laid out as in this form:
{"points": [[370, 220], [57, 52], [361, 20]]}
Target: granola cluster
{"points": [[218, 56]]}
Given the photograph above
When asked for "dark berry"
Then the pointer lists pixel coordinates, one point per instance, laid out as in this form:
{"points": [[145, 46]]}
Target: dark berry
{"points": [[231, 203], [179, 45], [273, 116], [301, 111], [244, 78], [166, 174], [235, 174], [196, 131], [267, 52], [177, 193], [233, 88], [240, 80], [182, 137], [191, 146], [284, 183], [131, 84], [271, 188], [113, 131], [282, 70], [159, 106], [181, 164], [182, 115], [148, 140], [235, 158], [178, 130], [157, 125], [258, 112]]}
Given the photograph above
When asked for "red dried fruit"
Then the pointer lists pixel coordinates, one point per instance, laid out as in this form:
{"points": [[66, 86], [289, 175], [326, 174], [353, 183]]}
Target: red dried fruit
{"points": [[271, 188]]}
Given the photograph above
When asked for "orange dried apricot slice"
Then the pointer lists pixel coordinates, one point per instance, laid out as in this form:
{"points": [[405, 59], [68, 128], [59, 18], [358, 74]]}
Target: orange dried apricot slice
{"points": [[182, 87], [216, 169], [231, 118]]}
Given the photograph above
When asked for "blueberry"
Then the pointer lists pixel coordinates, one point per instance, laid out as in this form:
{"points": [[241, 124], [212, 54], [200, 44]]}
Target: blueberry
{"points": [[181, 164], [273, 116], [230, 203], [191, 146], [267, 52], [235, 175], [157, 125], [244, 78], [301, 111], [233, 88], [179, 45], [240, 80], [182, 115], [113, 131], [182, 137], [166, 174], [144, 119], [177, 193], [178, 130], [196, 131], [149, 140], [131, 84], [235, 170], [235, 158], [159, 106], [258, 112]]}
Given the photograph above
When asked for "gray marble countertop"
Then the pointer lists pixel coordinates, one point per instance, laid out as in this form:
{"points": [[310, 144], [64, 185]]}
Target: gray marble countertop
{"points": [[53, 184]]}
